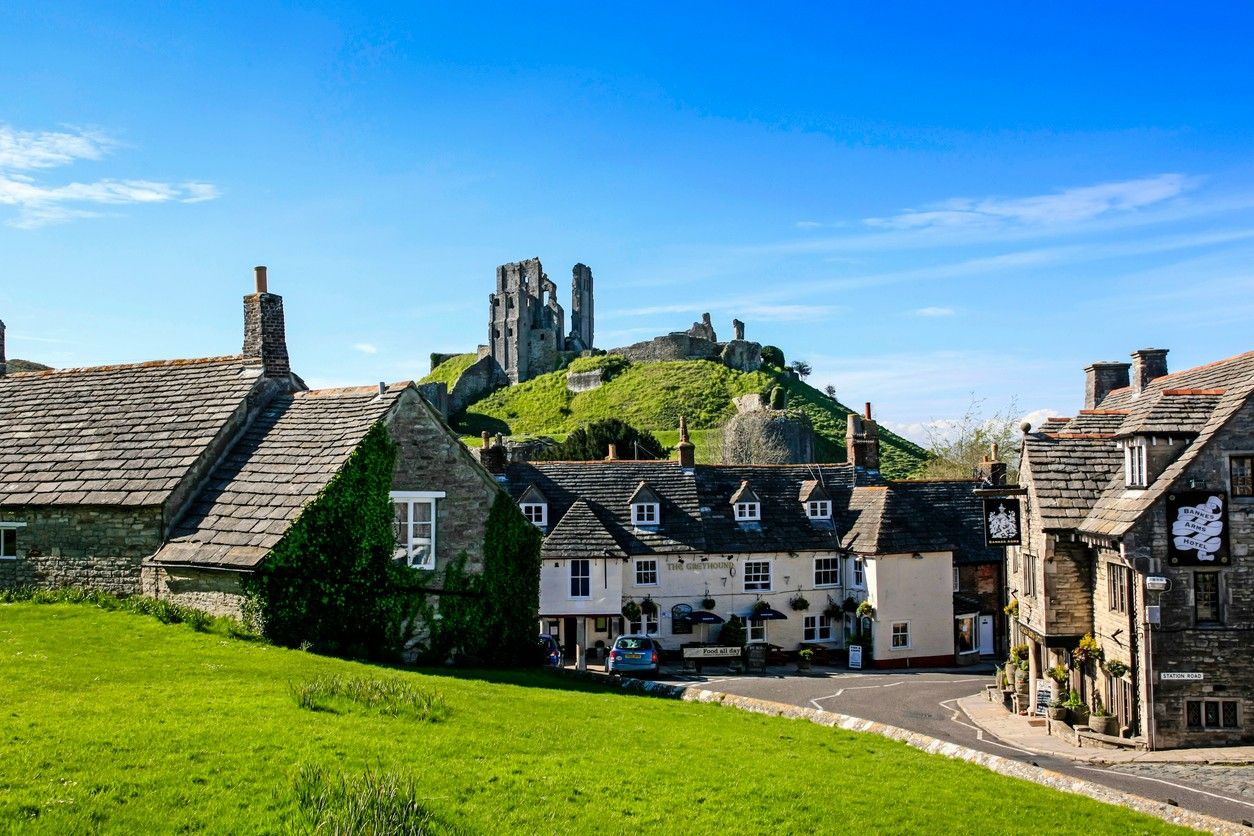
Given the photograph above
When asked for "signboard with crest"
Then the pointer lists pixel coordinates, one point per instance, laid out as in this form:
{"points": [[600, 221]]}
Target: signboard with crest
{"points": [[1199, 528]]}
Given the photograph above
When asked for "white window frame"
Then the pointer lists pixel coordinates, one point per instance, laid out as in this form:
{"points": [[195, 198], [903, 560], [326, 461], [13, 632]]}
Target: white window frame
{"points": [[819, 509], [831, 571], [571, 576], [757, 630], [975, 632], [1029, 574], [410, 542], [1135, 463], [893, 635], [748, 511], [10, 526], [537, 513], [859, 573], [647, 626], [770, 576], [645, 513], [640, 564], [817, 628]]}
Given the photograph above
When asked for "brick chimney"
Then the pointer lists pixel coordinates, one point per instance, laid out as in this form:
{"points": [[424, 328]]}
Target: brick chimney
{"points": [[862, 441], [265, 335], [4, 364], [1147, 364], [687, 450], [990, 470], [1102, 378], [612, 454], [492, 456]]}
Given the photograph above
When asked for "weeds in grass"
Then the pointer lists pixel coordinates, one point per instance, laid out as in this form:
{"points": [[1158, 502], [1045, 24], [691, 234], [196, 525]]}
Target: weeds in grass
{"points": [[164, 611], [389, 696], [372, 803]]}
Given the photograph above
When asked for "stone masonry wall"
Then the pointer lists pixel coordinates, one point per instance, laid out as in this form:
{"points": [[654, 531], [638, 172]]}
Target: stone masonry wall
{"points": [[670, 347], [480, 379], [92, 547], [1068, 589], [218, 593]]}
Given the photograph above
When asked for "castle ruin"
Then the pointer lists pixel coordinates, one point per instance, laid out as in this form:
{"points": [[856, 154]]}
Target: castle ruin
{"points": [[527, 325]]}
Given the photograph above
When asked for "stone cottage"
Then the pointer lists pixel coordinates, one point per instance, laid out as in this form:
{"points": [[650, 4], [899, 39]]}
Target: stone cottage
{"points": [[178, 478], [1139, 530]]}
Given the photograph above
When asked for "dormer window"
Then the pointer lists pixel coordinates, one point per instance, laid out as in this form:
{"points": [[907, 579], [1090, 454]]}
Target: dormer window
{"points": [[819, 509], [816, 500], [535, 507], [646, 507], [1135, 463], [746, 504]]}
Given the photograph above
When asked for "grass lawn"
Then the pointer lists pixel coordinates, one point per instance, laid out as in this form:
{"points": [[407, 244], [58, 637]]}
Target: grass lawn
{"points": [[112, 721]]}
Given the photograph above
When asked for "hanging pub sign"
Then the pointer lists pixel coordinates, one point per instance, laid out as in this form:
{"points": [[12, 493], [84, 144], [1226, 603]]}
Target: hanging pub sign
{"points": [[1199, 528], [1001, 521]]}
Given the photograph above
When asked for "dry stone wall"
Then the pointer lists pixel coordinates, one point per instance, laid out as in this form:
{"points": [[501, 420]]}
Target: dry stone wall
{"points": [[92, 547]]}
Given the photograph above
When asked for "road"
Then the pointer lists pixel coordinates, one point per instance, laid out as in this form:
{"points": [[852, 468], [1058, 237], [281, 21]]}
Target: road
{"points": [[925, 701]]}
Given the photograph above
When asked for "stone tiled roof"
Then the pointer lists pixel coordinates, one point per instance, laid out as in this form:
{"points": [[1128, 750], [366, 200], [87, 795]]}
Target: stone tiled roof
{"points": [[697, 516], [114, 435], [1201, 401], [287, 456], [1066, 475]]}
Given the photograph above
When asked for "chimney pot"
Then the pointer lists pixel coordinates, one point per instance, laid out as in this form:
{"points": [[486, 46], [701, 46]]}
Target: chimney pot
{"points": [[687, 450], [383, 388], [867, 412], [612, 455], [259, 272], [484, 437], [265, 335]]}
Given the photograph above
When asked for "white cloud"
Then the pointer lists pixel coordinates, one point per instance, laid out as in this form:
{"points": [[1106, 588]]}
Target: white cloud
{"points": [[1067, 206], [366, 348], [40, 204], [934, 312]]}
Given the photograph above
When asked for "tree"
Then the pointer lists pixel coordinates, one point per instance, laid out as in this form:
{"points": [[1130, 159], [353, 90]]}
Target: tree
{"points": [[830, 390], [801, 367], [956, 447], [773, 356], [592, 443]]}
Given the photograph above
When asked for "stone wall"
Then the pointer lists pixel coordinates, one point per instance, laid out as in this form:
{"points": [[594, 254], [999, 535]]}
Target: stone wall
{"points": [[742, 355], [585, 381], [479, 380], [670, 347], [767, 436], [213, 592], [437, 395], [1068, 590], [92, 547]]}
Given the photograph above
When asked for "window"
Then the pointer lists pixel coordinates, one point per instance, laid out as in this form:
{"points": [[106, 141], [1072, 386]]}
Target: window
{"points": [[1212, 714], [1241, 475], [537, 514], [818, 628], [827, 571], [957, 580], [1206, 597], [414, 526], [1135, 475], [746, 511], [757, 630], [644, 513], [968, 641], [8, 541], [1117, 587], [1029, 574], [859, 572], [646, 572], [819, 509], [581, 579], [758, 576], [901, 635], [647, 626]]}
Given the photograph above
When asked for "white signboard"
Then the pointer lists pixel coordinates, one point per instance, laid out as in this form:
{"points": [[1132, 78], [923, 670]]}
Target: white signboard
{"points": [[1191, 676], [855, 657], [711, 652]]}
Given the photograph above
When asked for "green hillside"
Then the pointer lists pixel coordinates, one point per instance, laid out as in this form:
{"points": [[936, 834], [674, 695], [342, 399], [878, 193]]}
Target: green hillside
{"points": [[652, 396], [115, 723], [451, 369]]}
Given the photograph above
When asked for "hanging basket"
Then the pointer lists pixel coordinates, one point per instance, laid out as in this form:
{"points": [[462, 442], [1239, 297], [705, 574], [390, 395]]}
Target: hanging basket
{"points": [[648, 606], [631, 611]]}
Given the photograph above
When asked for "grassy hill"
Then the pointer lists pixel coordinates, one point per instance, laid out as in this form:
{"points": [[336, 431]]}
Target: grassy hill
{"points": [[116, 723], [652, 396], [15, 366]]}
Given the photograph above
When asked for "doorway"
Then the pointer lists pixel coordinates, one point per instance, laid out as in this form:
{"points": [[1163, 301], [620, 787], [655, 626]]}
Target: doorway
{"points": [[570, 635], [986, 644]]}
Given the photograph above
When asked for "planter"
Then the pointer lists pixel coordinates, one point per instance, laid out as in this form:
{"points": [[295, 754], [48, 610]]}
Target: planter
{"points": [[1104, 725], [1079, 716], [1056, 712], [1021, 682], [803, 664]]}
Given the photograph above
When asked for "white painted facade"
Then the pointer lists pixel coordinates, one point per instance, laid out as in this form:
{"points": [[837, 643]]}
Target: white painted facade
{"points": [[908, 593]]}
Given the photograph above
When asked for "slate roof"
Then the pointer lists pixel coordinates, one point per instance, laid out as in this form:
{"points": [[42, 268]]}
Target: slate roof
{"points": [[114, 435], [744, 493], [1065, 476], [288, 455], [697, 516]]}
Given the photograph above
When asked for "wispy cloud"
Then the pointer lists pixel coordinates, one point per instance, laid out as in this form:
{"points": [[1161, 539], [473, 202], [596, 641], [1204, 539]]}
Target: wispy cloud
{"points": [[1064, 207], [39, 204], [761, 310], [366, 348], [934, 312]]}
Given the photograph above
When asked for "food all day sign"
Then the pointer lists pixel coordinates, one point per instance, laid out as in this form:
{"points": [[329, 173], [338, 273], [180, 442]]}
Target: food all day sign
{"points": [[1001, 521], [1199, 528]]}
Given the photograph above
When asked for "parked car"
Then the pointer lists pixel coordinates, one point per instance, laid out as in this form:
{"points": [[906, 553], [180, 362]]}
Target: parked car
{"points": [[635, 654], [550, 651]]}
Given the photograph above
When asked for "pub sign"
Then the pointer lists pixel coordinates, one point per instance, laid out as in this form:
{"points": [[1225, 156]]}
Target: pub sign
{"points": [[1199, 528], [1001, 521]]}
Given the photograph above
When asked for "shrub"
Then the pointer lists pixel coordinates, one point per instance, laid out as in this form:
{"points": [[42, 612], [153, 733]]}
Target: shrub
{"points": [[733, 633], [773, 356], [374, 802], [648, 606], [592, 443], [1058, 673], [631, 611]]}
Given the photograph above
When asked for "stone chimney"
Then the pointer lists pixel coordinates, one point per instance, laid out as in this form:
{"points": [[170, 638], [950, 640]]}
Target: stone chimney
{"points": [[990, 470], [612, 454], [862, 441], [265, 335], [1147, 364], [1102, 378], [4, 364], [687, 450], [492, 456]]}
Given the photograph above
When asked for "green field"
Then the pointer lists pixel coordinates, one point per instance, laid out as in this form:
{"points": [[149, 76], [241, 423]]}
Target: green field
{"points": [[115, 722]]}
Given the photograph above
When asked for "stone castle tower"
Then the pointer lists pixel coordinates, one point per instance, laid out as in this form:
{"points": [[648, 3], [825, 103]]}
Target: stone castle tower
{"points": [[527, 325]]}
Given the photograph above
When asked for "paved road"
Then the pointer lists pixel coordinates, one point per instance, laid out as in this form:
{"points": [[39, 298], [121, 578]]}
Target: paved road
{"points": [[924, 701]]}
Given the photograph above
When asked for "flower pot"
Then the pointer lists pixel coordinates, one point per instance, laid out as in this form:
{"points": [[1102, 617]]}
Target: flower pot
{"points": [[803, 664], [1104, 725], [1056, 712], [1079, 716]]}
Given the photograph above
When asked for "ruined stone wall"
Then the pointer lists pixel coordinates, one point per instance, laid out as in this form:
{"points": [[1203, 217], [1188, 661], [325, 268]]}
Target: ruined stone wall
{"points": [[437, 395], [768, 436], [742, 355], [83, 546], [585, 381], [581, 309], [476, 382], [669, 347]]}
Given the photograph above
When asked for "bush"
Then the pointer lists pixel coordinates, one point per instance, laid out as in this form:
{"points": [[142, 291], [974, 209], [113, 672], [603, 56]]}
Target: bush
{"points": [[733, 633], [375, 802], [773, 356], [592, 443]]}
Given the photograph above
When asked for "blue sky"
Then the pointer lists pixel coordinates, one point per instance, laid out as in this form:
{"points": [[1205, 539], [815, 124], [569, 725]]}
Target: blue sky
{"points": [[922, 202]]}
